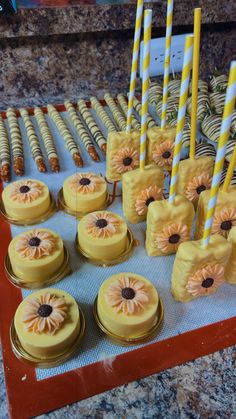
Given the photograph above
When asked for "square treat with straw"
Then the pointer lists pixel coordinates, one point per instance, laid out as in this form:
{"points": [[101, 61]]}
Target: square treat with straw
{"points": [[199, 267], [230, 270], [225, 211], [144, 185], [195, 173], [123, 146], [169, 222], [161, 139]]}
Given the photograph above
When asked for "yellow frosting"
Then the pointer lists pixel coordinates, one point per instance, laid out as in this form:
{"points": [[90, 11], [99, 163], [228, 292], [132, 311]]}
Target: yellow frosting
{"points": [[189, 169], [134, 188], [230, 270], [107, 248], [116, 143], [44, 345], [40, 269], [88, 200], [157, 136], [224, 200], [26, 210], [163, 218], [120, 323], [191, 257]]}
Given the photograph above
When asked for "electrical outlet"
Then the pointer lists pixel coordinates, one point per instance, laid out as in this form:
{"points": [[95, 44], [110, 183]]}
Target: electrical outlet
{"points": [[157, 55]]}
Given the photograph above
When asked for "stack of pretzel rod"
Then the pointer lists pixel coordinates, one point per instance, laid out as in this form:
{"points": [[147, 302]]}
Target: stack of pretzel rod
{"points": [[47, 140], [33, 141], [92, 125], [71, 145], [116, 112], [16, 142], [81, 130], [5, 156], [124, 106], [102, 114]]}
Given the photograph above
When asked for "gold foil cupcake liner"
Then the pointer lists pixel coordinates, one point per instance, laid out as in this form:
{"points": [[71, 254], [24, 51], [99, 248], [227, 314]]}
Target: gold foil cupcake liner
{"points": [[131, 243], [18, 282], [49, 362], [78, 214], [29, 222], [123, 341]]}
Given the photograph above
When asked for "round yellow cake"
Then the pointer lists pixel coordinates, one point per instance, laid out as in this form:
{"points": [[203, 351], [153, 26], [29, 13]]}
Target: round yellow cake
{"points": [[47, 323], [36, 255], [127, 305], [85, 192], [26, 199], [102, 235]]}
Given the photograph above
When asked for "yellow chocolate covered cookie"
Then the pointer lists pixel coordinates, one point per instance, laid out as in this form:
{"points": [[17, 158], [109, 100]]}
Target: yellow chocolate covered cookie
{"points": [[47, 323], [102, 235], [85, 192], [26, 199], [127, 305], [36, 255]]}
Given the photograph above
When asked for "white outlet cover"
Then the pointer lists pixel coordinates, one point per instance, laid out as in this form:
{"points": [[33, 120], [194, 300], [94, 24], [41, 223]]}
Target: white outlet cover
{"points": [[157, 55]]}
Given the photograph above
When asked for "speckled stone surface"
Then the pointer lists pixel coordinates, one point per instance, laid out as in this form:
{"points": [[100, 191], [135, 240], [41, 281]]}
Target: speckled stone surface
{"points": [[102, 17], [36, 70], [203, 389]]}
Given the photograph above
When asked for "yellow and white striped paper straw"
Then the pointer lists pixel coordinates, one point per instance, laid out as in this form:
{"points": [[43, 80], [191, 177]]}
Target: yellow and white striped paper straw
{"points": [[137, 32], [220, 156], [145, 84], [195, 73], [169, 20], [188, 54]]}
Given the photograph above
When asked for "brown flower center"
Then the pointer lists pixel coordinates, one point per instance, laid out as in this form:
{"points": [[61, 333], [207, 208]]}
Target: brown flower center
{"points": [[166, 154], [207, 283], [174, 238], [34, 242], [45, 310], [149, 200], [200, 189], [101, 223], [128, 293], [226, 225], [84, 181], [24, 189], [127, 161]]}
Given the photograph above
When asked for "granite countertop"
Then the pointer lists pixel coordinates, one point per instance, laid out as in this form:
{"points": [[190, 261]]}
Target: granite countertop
{"points": [[85, 17], [204, 388]]}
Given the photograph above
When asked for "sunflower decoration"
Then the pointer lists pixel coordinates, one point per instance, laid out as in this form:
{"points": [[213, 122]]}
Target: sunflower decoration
{"points": [[148, 195], [45, 314], [25, 191], [223, 221], [35, 244], [197, 185], [127, 295], [125, 160], [169, 239], [102, 224], [163, 154], [206, 280], [84, 182]]}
